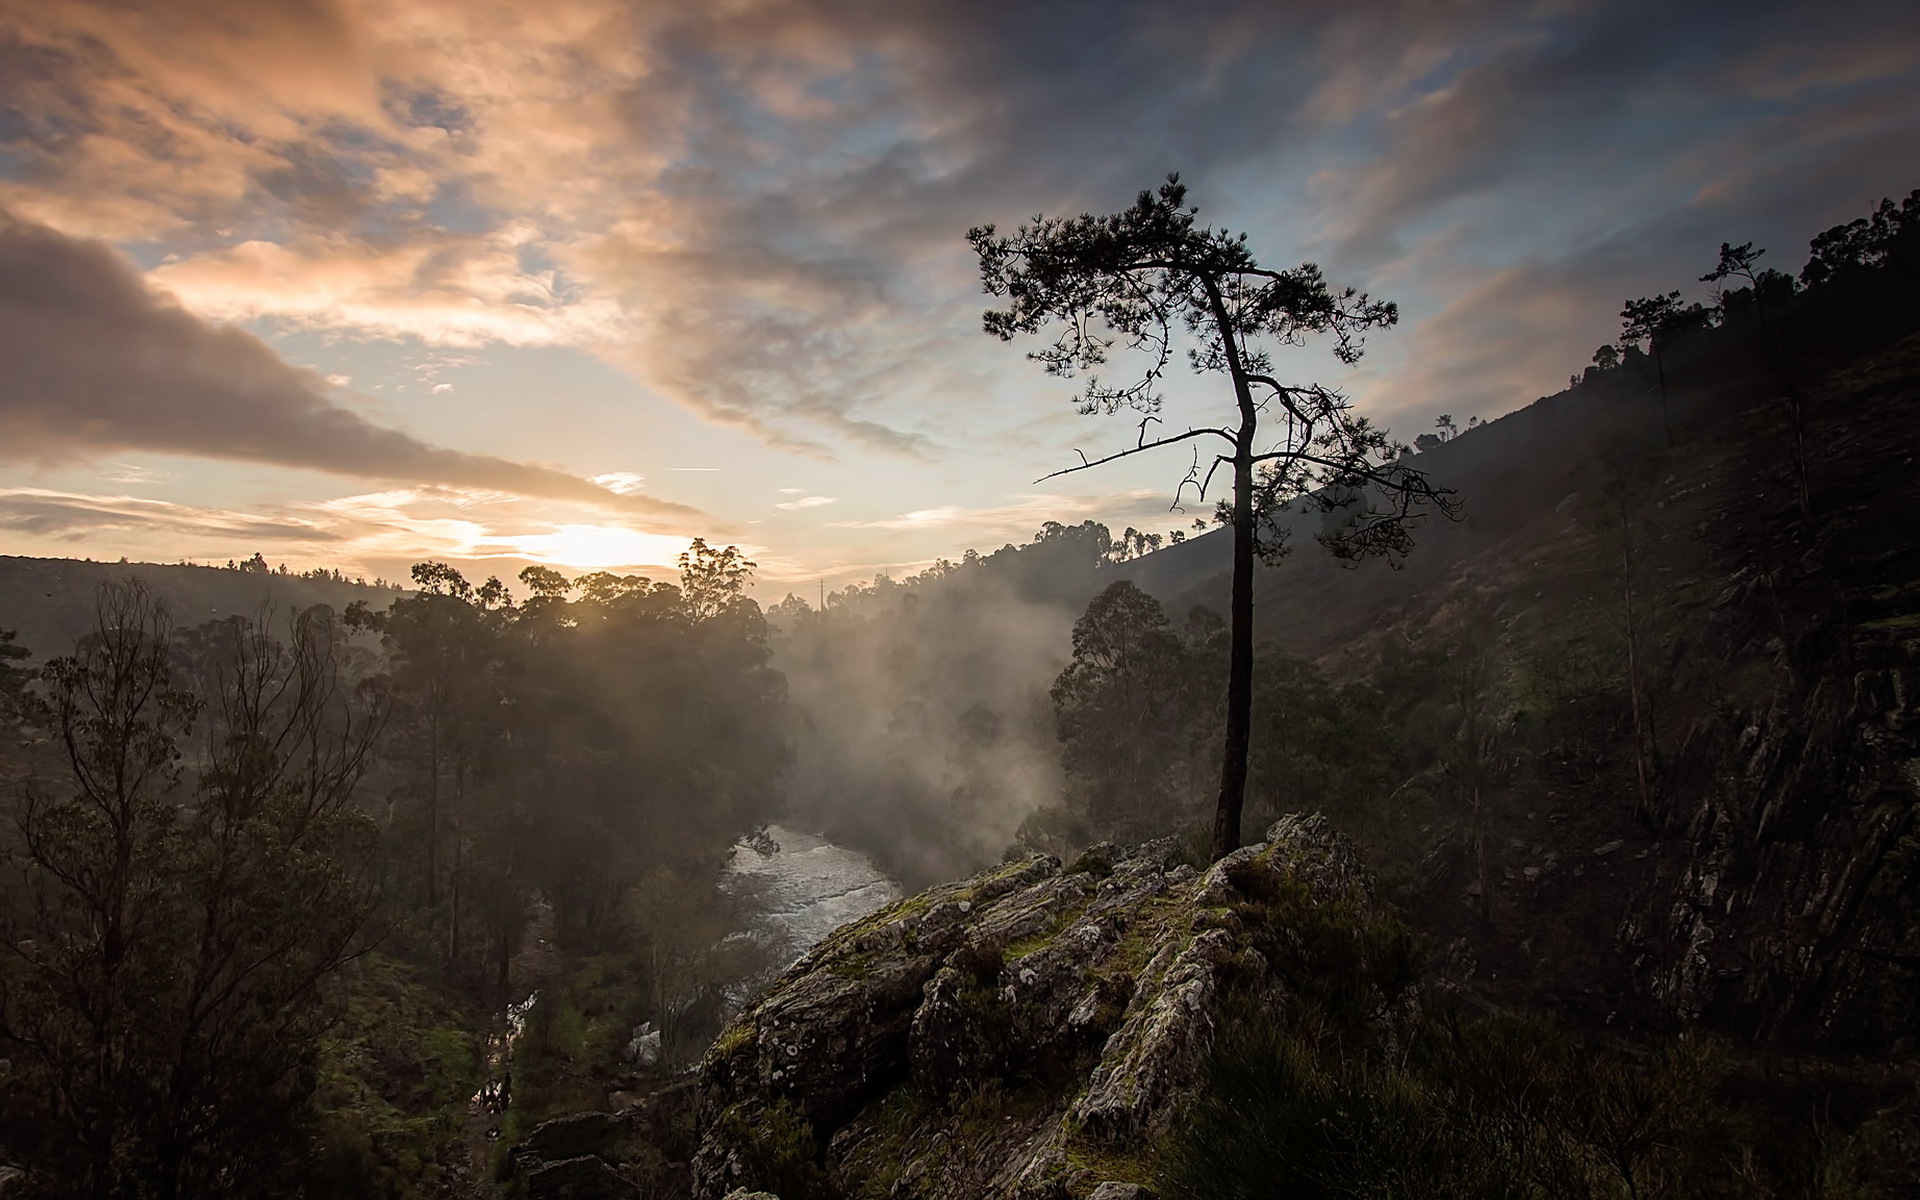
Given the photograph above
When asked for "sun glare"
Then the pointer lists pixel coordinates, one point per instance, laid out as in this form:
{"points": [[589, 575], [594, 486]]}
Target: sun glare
{"points": [[596, 547]]}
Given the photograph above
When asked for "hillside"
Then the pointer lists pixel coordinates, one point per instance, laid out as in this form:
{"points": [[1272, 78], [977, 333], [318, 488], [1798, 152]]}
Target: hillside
{"points": [[49, 601]]}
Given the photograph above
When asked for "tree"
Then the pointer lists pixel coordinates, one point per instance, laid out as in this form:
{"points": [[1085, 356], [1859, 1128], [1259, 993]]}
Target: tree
{"points": [[1317, 744], [1656, 320], [1625, 496], [1148, 279], [12, 679], [90, 942], [161, 977], [1739, 262], [1117, 709], [712, 580], [1890, 236], [443, 646], [1475, 758]]}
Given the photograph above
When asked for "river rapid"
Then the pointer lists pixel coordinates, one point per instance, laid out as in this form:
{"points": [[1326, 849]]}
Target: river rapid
{"points": [[807, 887]]}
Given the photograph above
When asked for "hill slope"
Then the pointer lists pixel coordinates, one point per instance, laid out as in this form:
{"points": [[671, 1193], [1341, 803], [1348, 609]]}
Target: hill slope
{"points": [[49, 601]]}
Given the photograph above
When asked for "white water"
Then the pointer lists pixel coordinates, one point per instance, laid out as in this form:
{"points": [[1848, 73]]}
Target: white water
{"points": [[811, 887]]}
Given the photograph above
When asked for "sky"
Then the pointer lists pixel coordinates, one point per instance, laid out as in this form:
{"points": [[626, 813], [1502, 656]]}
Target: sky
{"points": [[571, 282]]}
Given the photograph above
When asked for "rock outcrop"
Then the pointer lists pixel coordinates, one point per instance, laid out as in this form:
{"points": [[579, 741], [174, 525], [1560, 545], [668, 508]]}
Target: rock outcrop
{"points": [[1029, 1032]]}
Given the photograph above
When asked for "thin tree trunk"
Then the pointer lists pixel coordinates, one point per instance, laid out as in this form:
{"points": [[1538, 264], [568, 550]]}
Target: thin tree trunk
{"points": [[1233, 758], [459, 864], [1776, 355], [1633, 689], [1660, 371], [433, 812], [1480, 852]]}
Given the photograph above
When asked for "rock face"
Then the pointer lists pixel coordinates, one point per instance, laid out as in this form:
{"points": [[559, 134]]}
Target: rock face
{"points": [[640, 1151], [1029, 1032]]}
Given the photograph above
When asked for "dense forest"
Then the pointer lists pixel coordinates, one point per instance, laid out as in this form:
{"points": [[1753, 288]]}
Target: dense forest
{"points": [[1628, 745]]}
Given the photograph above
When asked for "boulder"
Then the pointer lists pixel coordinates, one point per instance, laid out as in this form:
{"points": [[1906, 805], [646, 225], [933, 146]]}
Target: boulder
{"points": [[571, 1136], [995, 1036], [643, 1050], [582, 1178]]}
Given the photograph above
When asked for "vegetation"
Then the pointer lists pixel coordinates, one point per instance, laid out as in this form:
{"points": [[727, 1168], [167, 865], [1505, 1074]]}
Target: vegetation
{"points": [[219, 823], [1496, 1106], [164, 959]]}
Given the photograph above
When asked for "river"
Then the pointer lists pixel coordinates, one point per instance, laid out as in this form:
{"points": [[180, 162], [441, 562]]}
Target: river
{"points": [[809, 886], [804, 887]]}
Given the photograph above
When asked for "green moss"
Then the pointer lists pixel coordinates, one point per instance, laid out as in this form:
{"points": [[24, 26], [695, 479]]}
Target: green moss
{"points": [[881, 1157], [1132, 1165], [851, 966], [735, 1040], [1096, 865]]}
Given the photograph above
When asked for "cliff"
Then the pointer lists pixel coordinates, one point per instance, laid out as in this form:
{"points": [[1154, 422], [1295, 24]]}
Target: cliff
{"points": [[1031, 1031]]}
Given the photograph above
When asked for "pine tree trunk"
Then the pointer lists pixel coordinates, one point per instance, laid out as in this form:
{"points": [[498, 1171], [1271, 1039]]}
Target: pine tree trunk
{"points": [[1233, 758]]}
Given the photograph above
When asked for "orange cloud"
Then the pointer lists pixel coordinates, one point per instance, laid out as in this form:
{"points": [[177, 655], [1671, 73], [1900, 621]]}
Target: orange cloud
{"points": [[96, 361]]}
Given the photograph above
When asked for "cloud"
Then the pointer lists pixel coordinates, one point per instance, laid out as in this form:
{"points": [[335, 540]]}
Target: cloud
{"points": [[371, 531], [76, 517], [806, 502], [755, 209], [623, 483], [1575, 115], [96, 361], [444, 289], [1026, 513]]}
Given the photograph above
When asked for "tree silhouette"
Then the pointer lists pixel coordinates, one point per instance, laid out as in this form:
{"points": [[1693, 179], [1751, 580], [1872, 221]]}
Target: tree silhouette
{"points": [[1739, 262], [1117, 710], [163, 1006], [1147, 280], [1648, 320]]}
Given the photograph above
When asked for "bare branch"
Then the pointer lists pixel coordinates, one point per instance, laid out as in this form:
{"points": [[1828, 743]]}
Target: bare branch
{"points": [[1085, 463]]}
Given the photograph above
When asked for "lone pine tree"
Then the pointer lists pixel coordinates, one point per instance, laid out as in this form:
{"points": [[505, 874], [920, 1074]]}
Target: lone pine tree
{"points": [[1148, 280]]}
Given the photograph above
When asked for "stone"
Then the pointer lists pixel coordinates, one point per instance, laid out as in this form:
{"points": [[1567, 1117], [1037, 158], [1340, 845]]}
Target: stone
{"points": [[570, 1137], [644, 1049], [1099, 984], [582, 1178]]}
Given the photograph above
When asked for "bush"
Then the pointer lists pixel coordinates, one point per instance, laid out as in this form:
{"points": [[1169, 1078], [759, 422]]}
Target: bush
{"points": [[1500, 1106]]}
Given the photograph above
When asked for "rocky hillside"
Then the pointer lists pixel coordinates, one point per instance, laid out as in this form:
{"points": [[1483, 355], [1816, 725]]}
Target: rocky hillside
{"points": [[1766, 882], [1128, 1027], [1027, 1032]]}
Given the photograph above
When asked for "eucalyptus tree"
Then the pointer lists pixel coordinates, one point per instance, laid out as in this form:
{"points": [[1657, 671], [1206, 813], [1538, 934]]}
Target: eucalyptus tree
{"points": [[1148, 280], [163, 958], [1118, 709]]}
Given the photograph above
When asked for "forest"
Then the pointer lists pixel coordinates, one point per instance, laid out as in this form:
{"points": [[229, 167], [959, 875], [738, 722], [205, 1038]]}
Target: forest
{"points": [[1625, 742]]}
